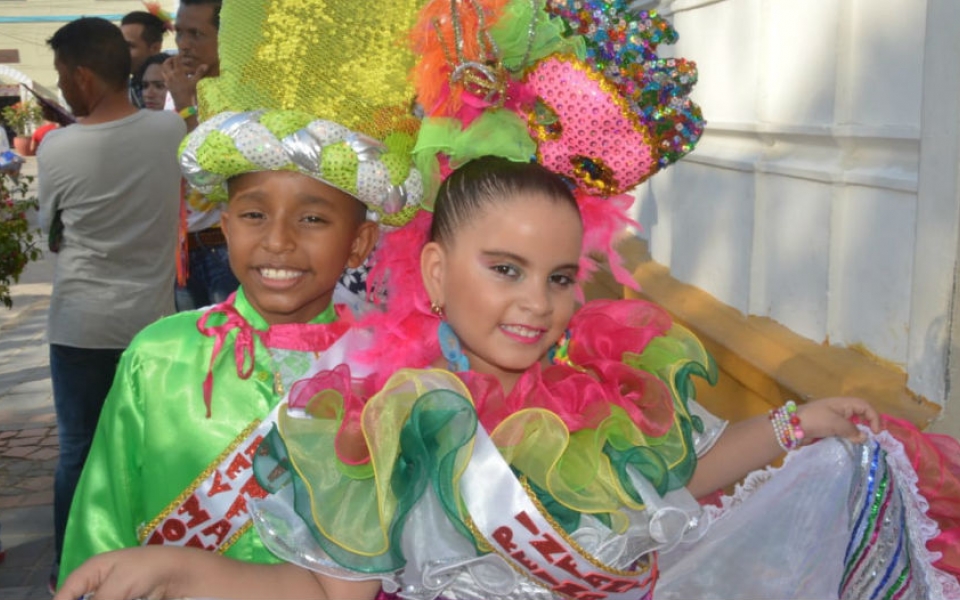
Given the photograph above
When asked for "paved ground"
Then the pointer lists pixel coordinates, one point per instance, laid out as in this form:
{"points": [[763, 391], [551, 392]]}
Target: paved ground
{"points": [[28, 436]]}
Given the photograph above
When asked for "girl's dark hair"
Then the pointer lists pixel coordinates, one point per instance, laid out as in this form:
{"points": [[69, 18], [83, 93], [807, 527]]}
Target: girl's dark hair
{"points": [[490, 180], [155, 59]]}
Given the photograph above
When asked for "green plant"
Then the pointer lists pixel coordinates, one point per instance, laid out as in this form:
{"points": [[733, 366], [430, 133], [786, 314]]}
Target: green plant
{"points": [[22, 117], [18, 242]]}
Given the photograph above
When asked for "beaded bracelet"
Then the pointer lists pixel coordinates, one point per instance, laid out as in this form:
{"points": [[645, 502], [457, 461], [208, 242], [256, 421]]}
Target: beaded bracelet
{"points": [[190, 111], [786, 426]]}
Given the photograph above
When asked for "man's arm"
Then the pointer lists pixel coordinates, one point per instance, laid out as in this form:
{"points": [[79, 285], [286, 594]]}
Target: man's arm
{"points": [[49, 202]]}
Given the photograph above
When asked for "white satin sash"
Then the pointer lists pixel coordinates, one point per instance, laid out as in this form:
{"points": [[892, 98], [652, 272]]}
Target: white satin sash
{"points": [[517, 529]]}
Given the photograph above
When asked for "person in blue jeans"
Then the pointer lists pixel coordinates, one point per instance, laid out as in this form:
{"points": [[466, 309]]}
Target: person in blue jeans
{"points": [[203, 273], [209, 279]]}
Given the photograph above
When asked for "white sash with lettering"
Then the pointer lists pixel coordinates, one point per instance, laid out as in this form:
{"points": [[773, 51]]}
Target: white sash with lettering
{"points": [[213, 513], [509, 520]]}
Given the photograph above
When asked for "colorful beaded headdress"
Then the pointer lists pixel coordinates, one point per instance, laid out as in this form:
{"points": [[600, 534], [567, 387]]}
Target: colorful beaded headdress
{"points": [[315, 87], [580, 80], [576, 85]]}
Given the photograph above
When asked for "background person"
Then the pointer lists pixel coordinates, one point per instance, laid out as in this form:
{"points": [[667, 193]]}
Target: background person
{"points": [[203, 271], [39, 133], [153, 87], [114, 196], [143, 33], [197, 28]]}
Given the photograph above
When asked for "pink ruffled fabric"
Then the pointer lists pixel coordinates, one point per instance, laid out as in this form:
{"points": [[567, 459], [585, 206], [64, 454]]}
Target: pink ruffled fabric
{"points": [[607, 329], [581, 399], [601, 333], [936, 459], [349, 443]]}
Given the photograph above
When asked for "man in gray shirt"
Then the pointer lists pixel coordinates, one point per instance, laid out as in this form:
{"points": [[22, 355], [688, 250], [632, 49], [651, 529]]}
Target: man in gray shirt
{"points": [[112, 180]]}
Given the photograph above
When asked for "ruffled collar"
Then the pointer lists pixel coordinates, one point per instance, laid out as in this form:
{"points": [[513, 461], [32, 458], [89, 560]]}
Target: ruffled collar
{"points": [[590, 374]]}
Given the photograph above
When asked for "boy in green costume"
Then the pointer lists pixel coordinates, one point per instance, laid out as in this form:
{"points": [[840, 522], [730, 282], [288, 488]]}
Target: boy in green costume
{"points": [[306, 196]]}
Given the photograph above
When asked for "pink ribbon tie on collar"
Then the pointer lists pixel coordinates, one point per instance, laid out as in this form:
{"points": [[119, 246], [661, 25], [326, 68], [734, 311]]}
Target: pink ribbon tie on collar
{"points": [[302, 337], [244, 345]]}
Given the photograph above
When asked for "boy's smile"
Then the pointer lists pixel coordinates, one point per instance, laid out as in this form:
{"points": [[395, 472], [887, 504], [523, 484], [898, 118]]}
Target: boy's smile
{"points": [[290, 237]]}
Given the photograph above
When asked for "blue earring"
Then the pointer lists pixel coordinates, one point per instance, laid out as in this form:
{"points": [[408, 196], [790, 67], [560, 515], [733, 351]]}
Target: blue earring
{"points": [[450, 348]]}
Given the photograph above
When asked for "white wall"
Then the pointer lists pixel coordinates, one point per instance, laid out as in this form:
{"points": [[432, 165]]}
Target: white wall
{"points": [[824, 191]]}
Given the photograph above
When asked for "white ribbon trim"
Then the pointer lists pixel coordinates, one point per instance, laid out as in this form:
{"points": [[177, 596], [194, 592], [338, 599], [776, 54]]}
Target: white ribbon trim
{"points": [[514, 526]]}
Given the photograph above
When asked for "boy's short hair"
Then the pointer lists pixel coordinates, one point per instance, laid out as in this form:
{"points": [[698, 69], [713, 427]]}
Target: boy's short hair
{"points": [[216, 4], [153, 26], [96, 44]]}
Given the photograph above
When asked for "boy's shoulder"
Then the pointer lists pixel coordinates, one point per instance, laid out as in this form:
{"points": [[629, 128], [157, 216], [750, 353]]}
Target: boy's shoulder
{"points": [[179, 327]]}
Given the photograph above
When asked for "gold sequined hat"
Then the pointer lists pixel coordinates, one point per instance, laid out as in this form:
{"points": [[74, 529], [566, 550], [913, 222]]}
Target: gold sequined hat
{"points": [[319, 87]]}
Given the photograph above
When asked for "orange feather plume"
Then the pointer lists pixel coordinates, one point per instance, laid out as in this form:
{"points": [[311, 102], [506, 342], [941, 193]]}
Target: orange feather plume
{"points": [[434, 39]]}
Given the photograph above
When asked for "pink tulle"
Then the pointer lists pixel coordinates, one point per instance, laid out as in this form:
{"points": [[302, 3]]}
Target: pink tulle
{"points": [[936, 459], [582, 396], [610, 328], [581, 399]]}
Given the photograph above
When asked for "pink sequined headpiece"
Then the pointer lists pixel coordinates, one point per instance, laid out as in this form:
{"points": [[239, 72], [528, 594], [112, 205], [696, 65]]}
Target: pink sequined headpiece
{"points": [[583, 76], [576, 85]]}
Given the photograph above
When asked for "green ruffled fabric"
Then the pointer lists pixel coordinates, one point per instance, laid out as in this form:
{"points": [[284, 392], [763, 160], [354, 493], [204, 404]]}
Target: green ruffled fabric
{"points": [[419, 431]]}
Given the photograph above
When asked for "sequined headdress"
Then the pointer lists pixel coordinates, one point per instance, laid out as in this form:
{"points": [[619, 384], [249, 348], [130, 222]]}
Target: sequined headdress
{"points": [[576, 85], [316, 87], [578, 81]]}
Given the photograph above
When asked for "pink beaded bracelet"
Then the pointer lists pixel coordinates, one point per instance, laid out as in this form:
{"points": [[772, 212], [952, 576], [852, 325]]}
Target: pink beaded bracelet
{"points": [[786, 426]]}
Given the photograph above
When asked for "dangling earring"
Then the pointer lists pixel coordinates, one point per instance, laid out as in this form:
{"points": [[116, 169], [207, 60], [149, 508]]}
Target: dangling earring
{"points": [[450, 348], [559, 353], [436, 309]]}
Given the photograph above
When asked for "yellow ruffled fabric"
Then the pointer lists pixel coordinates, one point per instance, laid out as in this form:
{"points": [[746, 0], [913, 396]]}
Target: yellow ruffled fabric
{"points": [[419, 433]]}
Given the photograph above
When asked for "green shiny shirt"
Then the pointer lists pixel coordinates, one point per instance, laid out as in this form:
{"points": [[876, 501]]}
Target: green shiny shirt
{"points": [[154, 438]]}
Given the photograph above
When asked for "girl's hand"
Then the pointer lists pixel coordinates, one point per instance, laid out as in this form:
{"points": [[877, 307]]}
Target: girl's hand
{"points": [[125, 574], [836, 417]]}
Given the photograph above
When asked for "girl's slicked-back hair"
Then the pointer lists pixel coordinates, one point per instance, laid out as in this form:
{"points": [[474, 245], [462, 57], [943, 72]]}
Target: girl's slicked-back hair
{"points": [[487, 181]]}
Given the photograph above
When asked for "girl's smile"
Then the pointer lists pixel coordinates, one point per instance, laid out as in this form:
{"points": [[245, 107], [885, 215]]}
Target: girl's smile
{"points": [[508, 281], [522, 333]]}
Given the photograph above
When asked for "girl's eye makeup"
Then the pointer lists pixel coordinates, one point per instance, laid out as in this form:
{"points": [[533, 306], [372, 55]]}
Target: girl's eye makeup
{"points": [[562, 280], [505, 270]]}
